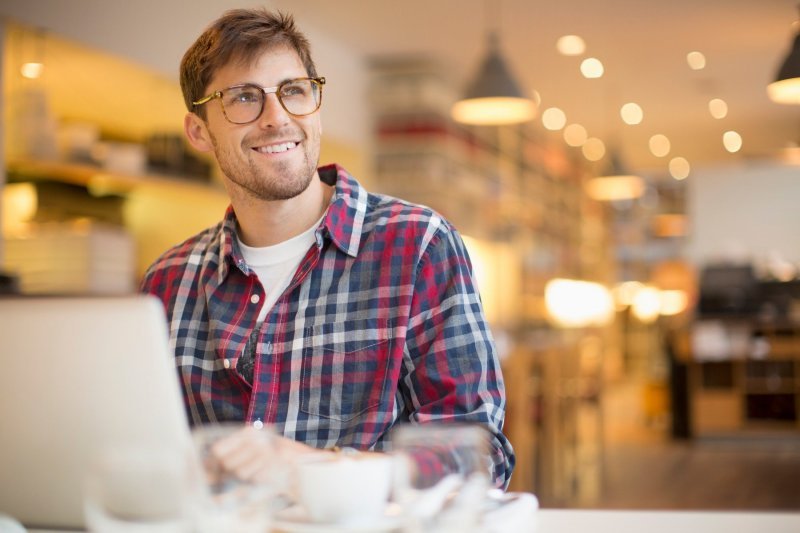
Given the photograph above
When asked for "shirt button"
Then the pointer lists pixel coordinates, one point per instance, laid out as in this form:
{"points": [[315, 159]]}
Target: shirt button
{"points": [[255, 298], [226, 363]]}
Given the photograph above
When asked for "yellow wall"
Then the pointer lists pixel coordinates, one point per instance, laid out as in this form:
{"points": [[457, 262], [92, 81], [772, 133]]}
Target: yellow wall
{"points": [[125, 100]]}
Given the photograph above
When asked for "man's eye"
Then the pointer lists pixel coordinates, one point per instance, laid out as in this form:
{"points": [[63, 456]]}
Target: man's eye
{"points": [[294, 89], [244, 97]]}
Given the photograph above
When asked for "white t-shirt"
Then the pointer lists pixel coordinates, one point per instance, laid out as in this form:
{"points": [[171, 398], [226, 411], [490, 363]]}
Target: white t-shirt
{"points": [[275, 265]]}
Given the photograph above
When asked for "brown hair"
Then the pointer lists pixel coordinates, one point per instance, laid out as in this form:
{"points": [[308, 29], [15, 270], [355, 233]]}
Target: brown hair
{"points": [[238, 35]]}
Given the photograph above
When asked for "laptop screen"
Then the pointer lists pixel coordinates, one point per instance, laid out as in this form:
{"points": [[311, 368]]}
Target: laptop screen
{"points": [[79, 375]]}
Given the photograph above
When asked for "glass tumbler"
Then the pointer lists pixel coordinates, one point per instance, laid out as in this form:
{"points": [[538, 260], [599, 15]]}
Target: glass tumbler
{"points": [[442, 475], [132, 489], [241, 478]]}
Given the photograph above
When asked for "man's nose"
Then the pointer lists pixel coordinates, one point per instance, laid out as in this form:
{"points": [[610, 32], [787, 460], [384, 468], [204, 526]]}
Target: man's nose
{"points": [[273, 114]]}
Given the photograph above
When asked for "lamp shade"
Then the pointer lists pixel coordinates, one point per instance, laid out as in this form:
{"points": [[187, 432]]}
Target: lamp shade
{"points": [[786, 87], [616, 183], [493, 98]]}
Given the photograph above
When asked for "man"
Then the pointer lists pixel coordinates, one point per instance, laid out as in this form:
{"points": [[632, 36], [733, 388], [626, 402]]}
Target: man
{"points": [[313, 306]]}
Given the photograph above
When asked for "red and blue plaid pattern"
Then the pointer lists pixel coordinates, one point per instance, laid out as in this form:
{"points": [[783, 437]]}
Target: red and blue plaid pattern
{"points": [[381, 325]]}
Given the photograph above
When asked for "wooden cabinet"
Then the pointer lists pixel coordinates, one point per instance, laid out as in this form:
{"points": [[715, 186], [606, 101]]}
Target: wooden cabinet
{"points": [[754, 387], [555, 417]]}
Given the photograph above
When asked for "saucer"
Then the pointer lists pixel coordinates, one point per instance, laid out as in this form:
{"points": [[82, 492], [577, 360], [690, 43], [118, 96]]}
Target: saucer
{"points": [[296, 520]]}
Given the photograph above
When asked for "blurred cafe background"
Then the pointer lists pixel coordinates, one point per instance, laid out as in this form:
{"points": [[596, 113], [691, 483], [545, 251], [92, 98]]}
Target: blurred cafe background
{"points": [[633, 221]]}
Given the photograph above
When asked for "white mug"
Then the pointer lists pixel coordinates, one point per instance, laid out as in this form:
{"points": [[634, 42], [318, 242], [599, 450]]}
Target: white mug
{"points": [[345, 488]]}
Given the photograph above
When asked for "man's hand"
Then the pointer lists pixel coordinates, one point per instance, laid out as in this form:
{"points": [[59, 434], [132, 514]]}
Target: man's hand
{"points": [[260, 456]]}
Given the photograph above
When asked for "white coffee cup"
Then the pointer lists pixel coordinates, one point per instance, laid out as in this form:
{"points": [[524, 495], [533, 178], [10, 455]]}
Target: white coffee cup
{"points": [[345, 488]]}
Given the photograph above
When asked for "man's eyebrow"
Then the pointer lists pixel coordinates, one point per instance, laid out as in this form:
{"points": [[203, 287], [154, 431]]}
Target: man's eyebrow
{"points": [[269, 86]]}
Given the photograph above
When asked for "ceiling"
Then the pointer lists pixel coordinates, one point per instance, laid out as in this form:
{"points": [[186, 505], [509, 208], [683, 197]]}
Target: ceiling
{"points": [[642, 44]]}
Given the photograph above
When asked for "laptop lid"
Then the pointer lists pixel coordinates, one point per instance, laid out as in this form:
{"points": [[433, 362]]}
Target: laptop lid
{"points": [[79, 375]]}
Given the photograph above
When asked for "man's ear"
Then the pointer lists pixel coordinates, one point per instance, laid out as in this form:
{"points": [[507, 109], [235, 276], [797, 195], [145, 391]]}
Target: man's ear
{"points": [[197, 133]]}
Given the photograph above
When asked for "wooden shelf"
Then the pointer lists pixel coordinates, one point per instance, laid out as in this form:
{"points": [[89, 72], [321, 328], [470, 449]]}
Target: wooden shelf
{"points": [[755, 389], [98, 179]]}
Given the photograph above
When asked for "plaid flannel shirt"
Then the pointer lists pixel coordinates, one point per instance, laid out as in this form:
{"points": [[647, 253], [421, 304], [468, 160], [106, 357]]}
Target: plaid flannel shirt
{"points": [[381, 324]]}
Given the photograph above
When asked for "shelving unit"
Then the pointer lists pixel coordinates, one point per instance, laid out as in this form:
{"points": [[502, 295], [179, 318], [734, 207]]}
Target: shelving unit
{"points": [[515, 187], [510, 184], [755, 388], [150, 212]]}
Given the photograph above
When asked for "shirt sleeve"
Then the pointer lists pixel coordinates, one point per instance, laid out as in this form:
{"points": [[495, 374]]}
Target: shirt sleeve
{"points": [[453, 373]]}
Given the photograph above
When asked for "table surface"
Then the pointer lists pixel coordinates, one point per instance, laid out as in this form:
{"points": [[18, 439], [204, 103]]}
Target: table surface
{"points": [[559, 521], [553, 521]]}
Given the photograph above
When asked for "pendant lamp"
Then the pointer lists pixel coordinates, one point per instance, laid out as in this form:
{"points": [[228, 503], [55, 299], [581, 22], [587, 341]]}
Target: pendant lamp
{"points": [[616, 183], [786, 87], [493, 98]]}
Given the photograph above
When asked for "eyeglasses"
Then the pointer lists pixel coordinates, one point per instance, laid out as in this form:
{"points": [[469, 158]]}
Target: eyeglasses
{"points": [[242, 104]]}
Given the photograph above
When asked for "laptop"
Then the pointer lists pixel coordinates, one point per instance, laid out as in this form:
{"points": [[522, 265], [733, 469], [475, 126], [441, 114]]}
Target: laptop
{"points": [[79, 375]]}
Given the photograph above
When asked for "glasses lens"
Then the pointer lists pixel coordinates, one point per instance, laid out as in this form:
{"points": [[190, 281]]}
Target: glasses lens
{"points": [[300, 97], [242, 104]]}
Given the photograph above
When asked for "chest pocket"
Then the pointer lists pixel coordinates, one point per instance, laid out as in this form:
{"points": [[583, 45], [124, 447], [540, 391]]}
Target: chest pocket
{"points": [[344, 369]]}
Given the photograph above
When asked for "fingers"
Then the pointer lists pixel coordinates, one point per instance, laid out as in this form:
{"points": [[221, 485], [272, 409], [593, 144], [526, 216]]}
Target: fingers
{"points": [[244, 453], [291, 449], [257, 455]]}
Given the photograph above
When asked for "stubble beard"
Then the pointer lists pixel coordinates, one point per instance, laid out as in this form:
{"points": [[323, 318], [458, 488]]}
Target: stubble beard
{"points": [[281, 182]]}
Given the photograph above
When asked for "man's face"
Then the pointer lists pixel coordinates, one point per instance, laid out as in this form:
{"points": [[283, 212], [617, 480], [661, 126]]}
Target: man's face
{"points": [[276, 156]]}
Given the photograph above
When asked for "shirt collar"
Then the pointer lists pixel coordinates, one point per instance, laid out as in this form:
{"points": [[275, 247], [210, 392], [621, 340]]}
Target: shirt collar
{"points": [[347, 209], [342, 223]]}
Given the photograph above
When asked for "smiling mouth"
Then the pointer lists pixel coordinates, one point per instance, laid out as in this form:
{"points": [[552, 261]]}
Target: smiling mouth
{"points": [[276, 148]]}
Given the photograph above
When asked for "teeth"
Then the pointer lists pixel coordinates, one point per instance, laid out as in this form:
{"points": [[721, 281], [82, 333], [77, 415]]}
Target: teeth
{"points": [[275, 148]]}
